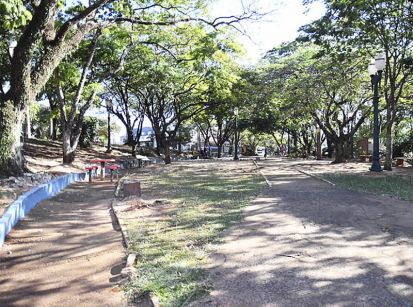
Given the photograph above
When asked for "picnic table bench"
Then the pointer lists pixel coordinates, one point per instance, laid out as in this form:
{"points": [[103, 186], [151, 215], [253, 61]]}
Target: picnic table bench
{"points": [[366, 158], [102, 165], [114, 168], [91, 171]]}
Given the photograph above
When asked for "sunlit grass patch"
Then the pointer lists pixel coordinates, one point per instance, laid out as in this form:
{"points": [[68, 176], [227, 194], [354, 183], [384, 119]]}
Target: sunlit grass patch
{"points": [[395, 186], [173, 250]]}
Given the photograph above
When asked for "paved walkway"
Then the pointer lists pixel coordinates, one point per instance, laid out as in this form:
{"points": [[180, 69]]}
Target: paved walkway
{"points": [[65, 253], [306, 243]]}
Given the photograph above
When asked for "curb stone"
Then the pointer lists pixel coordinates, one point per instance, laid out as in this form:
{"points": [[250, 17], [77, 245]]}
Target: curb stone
{"points": [[129, 270], [122, 228], [317, 177], [262, 174]]}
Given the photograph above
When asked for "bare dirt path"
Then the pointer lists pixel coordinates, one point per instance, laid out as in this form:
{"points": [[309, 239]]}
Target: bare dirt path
{"points": [[306, 243], [65, 253]]}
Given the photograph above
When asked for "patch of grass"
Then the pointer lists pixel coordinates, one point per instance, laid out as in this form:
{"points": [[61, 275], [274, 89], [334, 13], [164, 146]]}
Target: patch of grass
{"points": [[172, 251], [399, 187]]}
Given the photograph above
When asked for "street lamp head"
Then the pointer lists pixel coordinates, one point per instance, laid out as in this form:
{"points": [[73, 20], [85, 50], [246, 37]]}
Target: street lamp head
{"points": [[236, 111], [372, 68], [109, 103], [380, 62]]}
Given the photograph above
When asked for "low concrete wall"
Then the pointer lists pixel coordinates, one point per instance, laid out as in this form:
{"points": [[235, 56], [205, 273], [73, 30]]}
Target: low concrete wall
{"points": [[27, 201]]}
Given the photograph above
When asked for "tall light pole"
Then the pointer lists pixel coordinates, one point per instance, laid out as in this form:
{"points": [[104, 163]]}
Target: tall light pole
{"points": [[109, 106], [236, 135], [375, 71]]}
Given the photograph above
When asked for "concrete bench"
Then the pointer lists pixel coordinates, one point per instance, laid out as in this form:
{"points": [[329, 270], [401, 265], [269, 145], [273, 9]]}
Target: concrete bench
{"points": [[366, 158], [400, 161]]}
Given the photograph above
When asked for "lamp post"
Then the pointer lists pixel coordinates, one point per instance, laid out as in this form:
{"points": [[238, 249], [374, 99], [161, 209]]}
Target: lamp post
{"points": [[236, 135], [375, 71], [109, 106]]}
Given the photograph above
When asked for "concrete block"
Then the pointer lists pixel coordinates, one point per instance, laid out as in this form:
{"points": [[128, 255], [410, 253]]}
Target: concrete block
{"points": [[130, 262], [131, 188]]}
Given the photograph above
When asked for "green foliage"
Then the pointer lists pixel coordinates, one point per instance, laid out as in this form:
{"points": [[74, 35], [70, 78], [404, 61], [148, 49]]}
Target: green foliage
{"points": [[403, 146], [13, 14], [90, 131], [40, 117]]}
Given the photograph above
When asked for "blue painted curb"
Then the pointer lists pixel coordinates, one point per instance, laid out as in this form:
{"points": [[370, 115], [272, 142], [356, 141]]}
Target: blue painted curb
{"points": [[27, 201]]}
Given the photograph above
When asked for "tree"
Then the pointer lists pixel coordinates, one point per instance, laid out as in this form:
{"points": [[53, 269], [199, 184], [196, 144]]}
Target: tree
{"points": [[42, 42], [374, 25], [47, 31], [127, 108], [329, 89], [173, 80]]}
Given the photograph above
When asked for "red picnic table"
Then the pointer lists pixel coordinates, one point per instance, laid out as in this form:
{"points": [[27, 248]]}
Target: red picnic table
{"points": [[102, 165]]}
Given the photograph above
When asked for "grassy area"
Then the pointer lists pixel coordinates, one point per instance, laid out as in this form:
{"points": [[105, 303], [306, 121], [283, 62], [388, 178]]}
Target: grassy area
{"points": [[173, 250], [396, 186]]}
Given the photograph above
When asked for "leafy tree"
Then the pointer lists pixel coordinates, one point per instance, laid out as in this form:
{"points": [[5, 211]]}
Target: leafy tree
{"points": [[372, 25], [75, 89], [47, 31], [172, 82], [89, 131], [126, 106]]}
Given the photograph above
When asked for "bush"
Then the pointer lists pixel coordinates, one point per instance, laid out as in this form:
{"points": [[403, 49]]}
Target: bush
{"points": [[403, 146], [90, 131]]}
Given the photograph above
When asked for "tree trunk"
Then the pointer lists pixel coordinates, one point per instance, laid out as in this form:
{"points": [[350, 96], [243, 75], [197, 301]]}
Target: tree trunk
{"points": [[351, 147], [319, 154], [11, 158], [329, 148], [130, 139], [219, 151], [339, 150], [133, 148], [288, 143], [70, 143], [389, 145], [68, 156], [347, 149], [54, 128], [167, 152], [158, 143]]}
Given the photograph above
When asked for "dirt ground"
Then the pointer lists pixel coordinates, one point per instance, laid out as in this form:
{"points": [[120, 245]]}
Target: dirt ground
{"points": [[304, 242], [46, 157], [65, 253]]}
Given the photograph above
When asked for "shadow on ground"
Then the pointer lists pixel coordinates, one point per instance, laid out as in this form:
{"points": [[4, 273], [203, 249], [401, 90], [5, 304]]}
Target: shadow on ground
{"points": [[65, 252], [306, 243]]}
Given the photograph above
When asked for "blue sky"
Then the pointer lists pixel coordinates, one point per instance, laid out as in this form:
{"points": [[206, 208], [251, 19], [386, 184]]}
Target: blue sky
{"points": [[280, 25]]}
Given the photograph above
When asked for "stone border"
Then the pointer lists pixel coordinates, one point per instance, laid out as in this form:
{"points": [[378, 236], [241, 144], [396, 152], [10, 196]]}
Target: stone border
{"points": [[262, 174], [317, 177], [27, 201], [121, 227]]}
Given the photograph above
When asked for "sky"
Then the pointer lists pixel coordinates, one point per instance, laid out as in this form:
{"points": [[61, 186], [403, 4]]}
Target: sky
{"points": [[281, 24]]}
